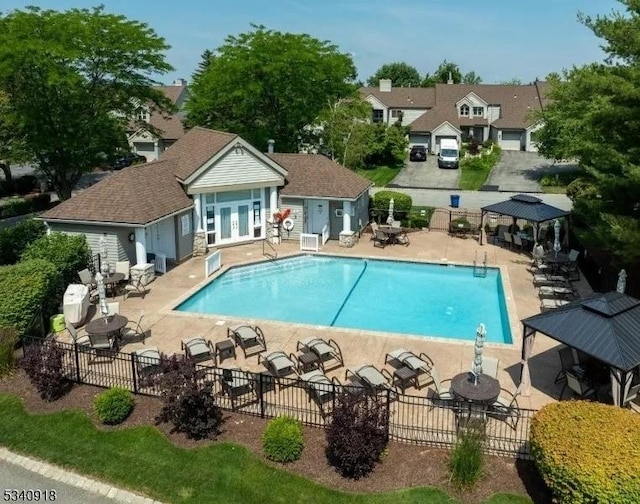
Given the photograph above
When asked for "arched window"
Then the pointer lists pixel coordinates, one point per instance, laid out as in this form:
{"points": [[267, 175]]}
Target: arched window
{"points": [[464, 110]]}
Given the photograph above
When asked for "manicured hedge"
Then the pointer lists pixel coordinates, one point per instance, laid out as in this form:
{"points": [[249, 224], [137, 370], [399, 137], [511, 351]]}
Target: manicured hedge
{"points": [[68, 253], [282, 440], [28, 291], [13, 240], [402, 204], [22, 206], [588, 452]]}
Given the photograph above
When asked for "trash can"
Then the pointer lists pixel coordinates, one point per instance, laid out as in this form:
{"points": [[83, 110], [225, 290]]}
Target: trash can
{"points": [[455, 200], [57, 323]]}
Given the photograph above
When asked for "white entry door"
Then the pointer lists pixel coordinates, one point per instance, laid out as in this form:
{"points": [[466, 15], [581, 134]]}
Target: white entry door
{"points": [[235, 223], [318, 215]]}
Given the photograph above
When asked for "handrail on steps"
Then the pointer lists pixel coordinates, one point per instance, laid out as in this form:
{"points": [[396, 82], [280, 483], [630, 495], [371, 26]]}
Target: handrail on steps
{"points": [[273, 255]]}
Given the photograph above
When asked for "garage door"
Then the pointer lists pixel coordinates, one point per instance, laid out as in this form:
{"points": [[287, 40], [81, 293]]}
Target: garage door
{"points": [[439, 138], [510, 140], [418, 139]]}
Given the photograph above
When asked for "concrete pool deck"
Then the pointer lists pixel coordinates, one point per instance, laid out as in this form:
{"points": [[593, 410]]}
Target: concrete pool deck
{"points": [[167, 328]]}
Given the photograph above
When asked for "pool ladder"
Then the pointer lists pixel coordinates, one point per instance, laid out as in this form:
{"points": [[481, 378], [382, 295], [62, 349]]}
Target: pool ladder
{"points": [[480, 271]]}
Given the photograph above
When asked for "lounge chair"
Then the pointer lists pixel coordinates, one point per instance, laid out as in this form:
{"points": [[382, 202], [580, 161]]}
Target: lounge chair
{"points": [[235, 383], [135, 287], [197, 348], [540, 279], [248, 338], [421, 364], [490, 366], [326, 350], [552, 303], [321, 389], [374, 230], [505, 408], [380, 239], [280, 365], [442, 392], [557, 291], [371, 377]]}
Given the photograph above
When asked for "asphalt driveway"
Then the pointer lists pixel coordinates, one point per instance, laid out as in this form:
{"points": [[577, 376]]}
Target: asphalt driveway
{"points": [[426, 174]]}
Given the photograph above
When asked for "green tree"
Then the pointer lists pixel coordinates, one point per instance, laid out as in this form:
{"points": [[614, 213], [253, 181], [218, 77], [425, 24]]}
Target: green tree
{"points": [[388, 145], [400, 73], [74, 79], [514, 81], [445, 70], [12, 147], [268, 84], [593, 118], [471, 78]]}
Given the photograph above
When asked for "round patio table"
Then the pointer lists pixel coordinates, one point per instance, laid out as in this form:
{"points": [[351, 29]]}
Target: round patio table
{"points": [[486, 390], [112, 324]]}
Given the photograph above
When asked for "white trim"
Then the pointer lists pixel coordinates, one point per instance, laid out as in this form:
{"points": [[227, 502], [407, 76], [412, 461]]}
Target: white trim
{"points": [[114, 224]]}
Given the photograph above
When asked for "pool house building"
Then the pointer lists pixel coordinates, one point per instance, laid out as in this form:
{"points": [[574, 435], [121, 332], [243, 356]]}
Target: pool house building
{"points": [[212, 189]]}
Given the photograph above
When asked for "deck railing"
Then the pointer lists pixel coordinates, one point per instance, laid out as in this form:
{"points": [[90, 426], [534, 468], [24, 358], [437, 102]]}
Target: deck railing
{"points": [[415, 419]]}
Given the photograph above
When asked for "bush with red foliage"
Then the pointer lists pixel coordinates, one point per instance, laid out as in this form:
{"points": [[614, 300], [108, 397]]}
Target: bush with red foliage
{"points": [[42, 362]]}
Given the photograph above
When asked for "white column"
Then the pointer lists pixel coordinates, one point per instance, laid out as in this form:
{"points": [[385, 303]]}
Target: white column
{"points": [[273, 200], [346, 216], [141, 246], [197, 212], [156, 149]]}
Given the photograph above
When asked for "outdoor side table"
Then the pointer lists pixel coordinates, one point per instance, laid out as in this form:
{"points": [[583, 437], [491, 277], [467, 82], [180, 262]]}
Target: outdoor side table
{"points": [[404, 375], [224, 350], [308, 361]]}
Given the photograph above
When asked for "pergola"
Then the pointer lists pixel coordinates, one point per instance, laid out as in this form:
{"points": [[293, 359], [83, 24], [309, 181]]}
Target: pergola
{"points": [[604, 326], [526, 207]]}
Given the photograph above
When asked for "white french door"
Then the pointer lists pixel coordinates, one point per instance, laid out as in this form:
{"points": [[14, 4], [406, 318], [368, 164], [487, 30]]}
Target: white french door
{"points": [[235, 222]]}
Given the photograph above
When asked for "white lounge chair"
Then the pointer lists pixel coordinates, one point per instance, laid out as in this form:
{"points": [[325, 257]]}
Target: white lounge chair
{"points": [[198, 348], [326, 350], [422, 364], [248, 338]]}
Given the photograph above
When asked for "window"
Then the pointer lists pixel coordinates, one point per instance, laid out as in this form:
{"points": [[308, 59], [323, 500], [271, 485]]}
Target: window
{"points": [[396, 113], [142, 114], [464, 110], [210, 224], [478, 111], [378, 115]]}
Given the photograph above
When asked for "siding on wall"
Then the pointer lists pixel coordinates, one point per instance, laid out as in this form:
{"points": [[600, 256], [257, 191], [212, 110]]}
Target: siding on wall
{"points": [[408, 116], [118, 246], [236, 169], [297, 216]]}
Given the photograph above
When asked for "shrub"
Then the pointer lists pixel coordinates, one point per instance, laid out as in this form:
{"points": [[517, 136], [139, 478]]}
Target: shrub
{"points": [[25, 184], [282, 440], [22, 206], [467, 458], [187, 399], [13, 240], [8, 340], [43, 364], [402, 204], [113, 406], [68, 253], [29, 294], [588, 452], [357, 434]]}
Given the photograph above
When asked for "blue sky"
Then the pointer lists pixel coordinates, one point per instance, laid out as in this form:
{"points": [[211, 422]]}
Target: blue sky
{"points": [[499, 39]]}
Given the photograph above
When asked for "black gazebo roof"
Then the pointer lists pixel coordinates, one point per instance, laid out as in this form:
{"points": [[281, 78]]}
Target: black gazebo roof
{"points": [[605, 326], [523, 206]]}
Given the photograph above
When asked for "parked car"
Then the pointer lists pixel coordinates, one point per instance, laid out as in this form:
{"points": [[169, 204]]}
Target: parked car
{"points": [[127, 160], [418, 153]]}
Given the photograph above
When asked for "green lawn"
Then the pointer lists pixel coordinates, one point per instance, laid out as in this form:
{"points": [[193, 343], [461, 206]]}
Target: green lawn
{"points": [[474, 171], [380, 175], [143, 459]]}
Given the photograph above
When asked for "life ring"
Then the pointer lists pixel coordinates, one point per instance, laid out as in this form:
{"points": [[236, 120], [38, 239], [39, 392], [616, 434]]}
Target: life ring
{"points": [[287, 224]]}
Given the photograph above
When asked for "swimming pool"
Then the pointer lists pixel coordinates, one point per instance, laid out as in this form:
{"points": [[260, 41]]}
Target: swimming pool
{"points": [[377, 295]]}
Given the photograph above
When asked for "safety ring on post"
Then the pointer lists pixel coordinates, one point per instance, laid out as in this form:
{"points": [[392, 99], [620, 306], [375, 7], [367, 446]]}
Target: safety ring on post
{"points": [[287, 224]]}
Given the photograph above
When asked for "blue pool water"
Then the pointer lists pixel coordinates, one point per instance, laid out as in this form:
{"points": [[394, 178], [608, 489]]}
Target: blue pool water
{"points": [[390, 296]]}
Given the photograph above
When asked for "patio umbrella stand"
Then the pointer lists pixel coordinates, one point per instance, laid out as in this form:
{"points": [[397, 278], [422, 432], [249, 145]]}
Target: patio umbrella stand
{"points": [[390, 219], [556, 237], [102, 296], [476, 369]]}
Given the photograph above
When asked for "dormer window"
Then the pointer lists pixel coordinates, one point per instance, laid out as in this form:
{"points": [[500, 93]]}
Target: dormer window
{"points": [[478, 111], [142, 114], [464, 111]]}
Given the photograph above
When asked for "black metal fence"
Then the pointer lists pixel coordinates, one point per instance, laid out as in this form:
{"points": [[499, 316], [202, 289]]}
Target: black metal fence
{"points": [[415, 419]]}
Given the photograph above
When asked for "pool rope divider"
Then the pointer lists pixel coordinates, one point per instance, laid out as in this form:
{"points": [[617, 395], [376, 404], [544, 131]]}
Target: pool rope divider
{"points": [[346, 298]]}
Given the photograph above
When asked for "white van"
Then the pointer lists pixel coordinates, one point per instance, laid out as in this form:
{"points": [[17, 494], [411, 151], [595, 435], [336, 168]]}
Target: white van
{"points": [[449, 153]]}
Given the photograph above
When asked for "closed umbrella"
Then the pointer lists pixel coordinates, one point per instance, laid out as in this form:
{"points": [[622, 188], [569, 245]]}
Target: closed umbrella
{"points": [[390, 219], [556, 237], [476, 369], [622, 282], [104, 258], [102, 296]]}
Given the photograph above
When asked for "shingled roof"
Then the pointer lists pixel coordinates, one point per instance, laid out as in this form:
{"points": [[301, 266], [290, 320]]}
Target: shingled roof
{"points": [[136, 195], [195, 148], [316, 176], [403, 97], [170, 125]]}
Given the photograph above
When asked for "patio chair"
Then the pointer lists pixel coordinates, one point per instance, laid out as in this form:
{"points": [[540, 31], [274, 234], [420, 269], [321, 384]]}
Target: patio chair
{"points": [[320, 388], [442, 394], [147, 362], [236, 383], [279, 364], [506, 408], [198, 348], [133, 330], [374, 229], [103, 345], [422, 364], [577, 385], [403, 239], [558, 291], [78, 339], [380, 239], [517, 242], [372, 378], [248, 338], [135, 287], [114, 308], [490, 366], [508, 239], [568, 362], [123, 267], [326, 350]]}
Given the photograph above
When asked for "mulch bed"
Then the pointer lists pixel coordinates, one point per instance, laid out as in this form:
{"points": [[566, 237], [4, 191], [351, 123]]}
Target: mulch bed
{"points": [[404, 466]]}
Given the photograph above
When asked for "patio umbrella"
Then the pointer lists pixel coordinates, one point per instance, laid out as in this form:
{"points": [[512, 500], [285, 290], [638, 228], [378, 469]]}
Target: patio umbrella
{"points": [[102, 296], [556, 238], [476, 369], [622, 282], [104, 258], [390, 219]]}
